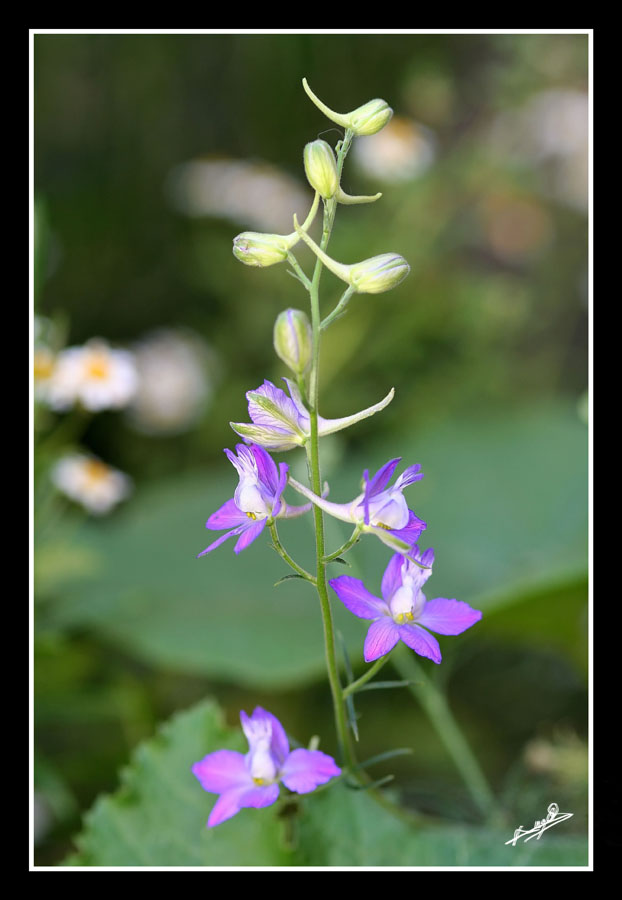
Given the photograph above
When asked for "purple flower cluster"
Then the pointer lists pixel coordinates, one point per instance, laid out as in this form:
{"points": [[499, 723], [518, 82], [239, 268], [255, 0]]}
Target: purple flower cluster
{"points": [[401, 613]]}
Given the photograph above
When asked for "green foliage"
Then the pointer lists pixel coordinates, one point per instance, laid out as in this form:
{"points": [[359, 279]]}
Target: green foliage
{"points": [[157, 818]]}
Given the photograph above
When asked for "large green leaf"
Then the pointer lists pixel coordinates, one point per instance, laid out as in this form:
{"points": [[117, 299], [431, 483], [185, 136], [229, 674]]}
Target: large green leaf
{"points": [[505, 502], [157, 818]]}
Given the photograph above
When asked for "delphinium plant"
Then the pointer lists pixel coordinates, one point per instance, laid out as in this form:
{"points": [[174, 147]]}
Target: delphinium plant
{"points": [[290, 420]]}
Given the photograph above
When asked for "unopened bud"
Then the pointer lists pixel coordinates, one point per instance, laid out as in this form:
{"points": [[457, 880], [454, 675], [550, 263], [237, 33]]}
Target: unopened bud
{"points": [[255, 249], [378, 274], [371, 276], [293, 339], [371, 117], [321, 168], [366, 119]]}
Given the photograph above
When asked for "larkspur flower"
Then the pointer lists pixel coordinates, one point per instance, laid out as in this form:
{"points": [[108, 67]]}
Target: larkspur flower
{"points": [[282, 423], [403, 614], [257, 498], [252, 779], [378, 509]]}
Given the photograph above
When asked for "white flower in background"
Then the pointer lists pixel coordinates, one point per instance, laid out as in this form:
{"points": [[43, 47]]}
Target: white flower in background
{"points": [[175, 381], [403, 150], [90, 482], [94, 375], [551, 131], [44, 363], [258, 195]]}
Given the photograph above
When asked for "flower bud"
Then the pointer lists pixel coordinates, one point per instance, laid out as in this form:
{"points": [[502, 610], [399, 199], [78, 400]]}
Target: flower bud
{"points": [[364, 120], [321, 168], [371, 117], [378, 274], [293, 339], [255, 249]]}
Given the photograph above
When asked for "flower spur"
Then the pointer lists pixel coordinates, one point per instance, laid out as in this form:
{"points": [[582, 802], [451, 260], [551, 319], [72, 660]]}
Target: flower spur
{"points": [[378, 509]]}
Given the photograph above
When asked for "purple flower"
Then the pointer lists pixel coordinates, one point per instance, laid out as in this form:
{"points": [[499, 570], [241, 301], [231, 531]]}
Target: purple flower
{"points": [[252, 779], [257, 498], [403, 614], [282, 423], [379, 509]]}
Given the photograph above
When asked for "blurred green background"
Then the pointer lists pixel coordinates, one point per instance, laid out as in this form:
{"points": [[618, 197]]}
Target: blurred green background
{"points": [[151, 153]]}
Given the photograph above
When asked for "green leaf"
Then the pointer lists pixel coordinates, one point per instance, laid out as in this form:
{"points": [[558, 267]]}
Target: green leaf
{"points": [[158, 816], [288, 578], [341, 827]]}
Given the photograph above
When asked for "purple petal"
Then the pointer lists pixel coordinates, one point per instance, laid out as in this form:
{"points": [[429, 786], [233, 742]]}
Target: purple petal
{"points": [[276, 506], [249, 534], [410, 533], [366, 497], [355, 596], [285, 412], [420, 641], [228, 516], [259, 796], [278, 743], [392, 578], [266, 468], [448, 616], [227, 805], [223, 537], [220, 771], [382, 636], [409, 476], [304, 770], [383, 476], [303, 413]]}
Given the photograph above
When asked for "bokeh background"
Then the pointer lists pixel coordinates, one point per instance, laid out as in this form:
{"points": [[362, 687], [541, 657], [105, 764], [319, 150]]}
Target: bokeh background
{"points": [[151, 153]]}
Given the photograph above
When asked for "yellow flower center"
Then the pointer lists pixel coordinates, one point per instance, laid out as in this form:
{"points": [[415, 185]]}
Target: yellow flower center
{"points": [[98, 366], [251, 516], [95, 470], [43, 364]]}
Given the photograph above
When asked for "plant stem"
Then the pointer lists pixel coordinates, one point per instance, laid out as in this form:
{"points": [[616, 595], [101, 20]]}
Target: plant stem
{"points": [[313, 457], [339, 310], [437, 709], [355, 685], [285, 555], [345, 547]]}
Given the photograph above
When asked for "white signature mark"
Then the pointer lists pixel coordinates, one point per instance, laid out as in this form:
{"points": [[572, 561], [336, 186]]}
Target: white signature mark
{"points": [[553, 817]]}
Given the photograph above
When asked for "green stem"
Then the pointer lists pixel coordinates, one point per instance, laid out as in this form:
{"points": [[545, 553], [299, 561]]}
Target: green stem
{"points": [[355, 685], [437, 709], [345, 547], [291, 259], [285, 555], [340, 309], [313, 457]]}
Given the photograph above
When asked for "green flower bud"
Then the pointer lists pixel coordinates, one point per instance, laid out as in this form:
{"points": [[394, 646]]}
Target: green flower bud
{"points": [[366, 119], [378, 274], [321, 168], [371, 276], [293, 339], [255, 249]]}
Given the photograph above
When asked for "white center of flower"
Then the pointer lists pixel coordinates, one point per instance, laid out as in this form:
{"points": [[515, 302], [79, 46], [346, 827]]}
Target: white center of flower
{"points": [[401, 604], [263, 768], [248, 499], [388, 510]]}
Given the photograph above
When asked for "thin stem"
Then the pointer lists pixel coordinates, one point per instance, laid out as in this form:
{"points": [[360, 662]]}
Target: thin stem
{"points": [[313, 457], [355, 685], [339, 310], [285, 555], [345, 547], [437, 709], [291, 259]]}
